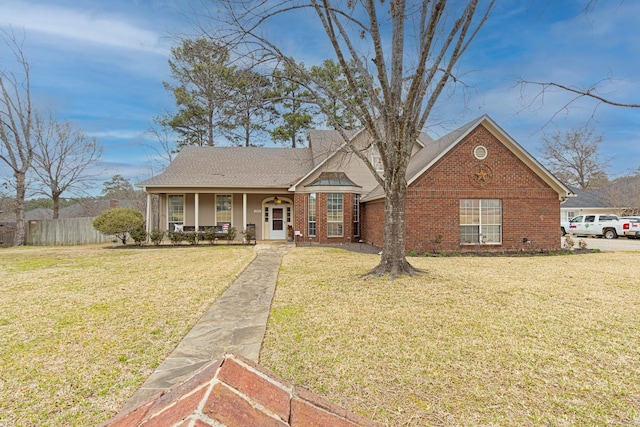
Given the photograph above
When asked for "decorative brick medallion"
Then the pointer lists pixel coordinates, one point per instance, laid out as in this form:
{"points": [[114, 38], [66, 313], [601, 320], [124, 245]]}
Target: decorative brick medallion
{"points": [[481, 175]]}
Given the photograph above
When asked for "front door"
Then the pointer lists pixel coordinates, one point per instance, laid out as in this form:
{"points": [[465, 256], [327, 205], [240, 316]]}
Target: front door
{"points": [[278, 230]]}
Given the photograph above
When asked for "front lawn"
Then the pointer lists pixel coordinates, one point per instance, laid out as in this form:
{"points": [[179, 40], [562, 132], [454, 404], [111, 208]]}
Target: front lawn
{"points": [[502, 341], [82, 327]]}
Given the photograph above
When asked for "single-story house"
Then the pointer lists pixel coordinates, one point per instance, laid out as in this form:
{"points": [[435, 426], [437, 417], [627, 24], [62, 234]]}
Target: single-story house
{"points": [[473, 189], [583, 202]]}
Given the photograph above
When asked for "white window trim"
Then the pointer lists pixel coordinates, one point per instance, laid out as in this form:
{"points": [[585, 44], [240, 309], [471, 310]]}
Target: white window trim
{"points": [[315, 214], [216, 209], [480, 225], [335, 222], [376, 159], [184, 201]]}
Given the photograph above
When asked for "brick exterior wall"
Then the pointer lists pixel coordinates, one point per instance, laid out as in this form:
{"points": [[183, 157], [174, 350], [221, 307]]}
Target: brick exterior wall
{"points": [[530, 208], [301, 219]]}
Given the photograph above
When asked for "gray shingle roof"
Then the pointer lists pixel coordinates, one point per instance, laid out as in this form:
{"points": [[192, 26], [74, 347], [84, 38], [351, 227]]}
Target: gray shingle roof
{"points": [[432, 149], [234, 167], [583, 199]]}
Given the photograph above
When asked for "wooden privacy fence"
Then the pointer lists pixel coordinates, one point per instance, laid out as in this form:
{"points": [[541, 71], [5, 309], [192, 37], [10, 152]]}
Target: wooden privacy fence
{"points": [[64, 231], [6, 233]]}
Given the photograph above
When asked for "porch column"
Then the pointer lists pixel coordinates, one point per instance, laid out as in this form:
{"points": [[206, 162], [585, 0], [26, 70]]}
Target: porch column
{"points": [[148, 213], [244, 211], [197, 212]]}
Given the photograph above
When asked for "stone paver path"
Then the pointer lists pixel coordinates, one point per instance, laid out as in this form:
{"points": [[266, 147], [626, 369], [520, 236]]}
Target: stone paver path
{"points": [[235, 323]]}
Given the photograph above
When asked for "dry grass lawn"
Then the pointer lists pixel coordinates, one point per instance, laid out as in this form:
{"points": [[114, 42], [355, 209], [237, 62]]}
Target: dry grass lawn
{"points": [[525, 341], [81, 328]]}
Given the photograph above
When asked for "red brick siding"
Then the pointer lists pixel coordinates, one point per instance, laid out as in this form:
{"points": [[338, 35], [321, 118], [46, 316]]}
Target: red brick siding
{"points": [[372, 215], [301, 216], [530, 208]]}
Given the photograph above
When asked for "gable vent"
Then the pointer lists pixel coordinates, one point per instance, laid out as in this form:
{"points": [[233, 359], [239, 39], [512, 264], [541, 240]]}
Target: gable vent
{"points": [[480, 152]]}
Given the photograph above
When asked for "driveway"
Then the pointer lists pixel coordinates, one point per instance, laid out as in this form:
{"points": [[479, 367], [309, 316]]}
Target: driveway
{"points": [[619, 244]]}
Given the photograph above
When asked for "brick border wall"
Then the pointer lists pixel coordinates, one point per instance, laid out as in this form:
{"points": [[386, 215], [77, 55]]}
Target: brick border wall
{"points": [[233, 391]]}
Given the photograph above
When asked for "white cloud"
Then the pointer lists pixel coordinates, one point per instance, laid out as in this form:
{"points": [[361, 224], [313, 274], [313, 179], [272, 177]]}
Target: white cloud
{"points": [[80, 26]]}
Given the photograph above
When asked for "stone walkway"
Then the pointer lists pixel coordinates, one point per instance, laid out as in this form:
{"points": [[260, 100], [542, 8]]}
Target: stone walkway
{"points": [[235, 323]]}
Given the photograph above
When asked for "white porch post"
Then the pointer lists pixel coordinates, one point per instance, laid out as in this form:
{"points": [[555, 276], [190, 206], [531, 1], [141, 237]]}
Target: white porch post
{"points": [[148, 213], [197, 212], [244, 211]]}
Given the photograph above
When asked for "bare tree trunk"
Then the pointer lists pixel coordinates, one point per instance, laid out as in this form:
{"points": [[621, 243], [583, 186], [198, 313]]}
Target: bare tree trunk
{"points": [[393, 261], [21, 190], [15, 127], [56, 206]]}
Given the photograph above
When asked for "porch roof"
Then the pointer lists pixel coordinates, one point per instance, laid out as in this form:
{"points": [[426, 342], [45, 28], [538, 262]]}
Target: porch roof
{"points": [[234, 167]]}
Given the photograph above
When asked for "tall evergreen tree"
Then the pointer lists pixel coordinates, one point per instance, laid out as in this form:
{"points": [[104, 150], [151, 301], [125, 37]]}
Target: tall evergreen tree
{"points": [[202, 74], [292, 101]]}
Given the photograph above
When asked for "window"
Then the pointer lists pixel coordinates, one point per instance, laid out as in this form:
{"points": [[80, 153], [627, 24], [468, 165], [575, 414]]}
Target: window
{"points": [[376, 160], [356, 215], [223, 208], [590, 218], [335, 214], [311, 219], [480, 221], [175, 211]]}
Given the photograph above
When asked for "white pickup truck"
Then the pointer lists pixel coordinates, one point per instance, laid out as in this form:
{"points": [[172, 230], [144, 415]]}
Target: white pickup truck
{"points": [[608, 226]]}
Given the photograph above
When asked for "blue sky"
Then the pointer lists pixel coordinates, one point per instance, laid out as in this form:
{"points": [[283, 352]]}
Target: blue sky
{"points": [[101, 65]]}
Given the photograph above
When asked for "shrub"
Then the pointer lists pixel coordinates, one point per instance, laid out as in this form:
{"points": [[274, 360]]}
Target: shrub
{"points": [[156, 237], [191, 237], [139, 236], [568, 242], [582, 244], [210, 235], [120, 222], [175, 236], [437, 243], [231, 233], [249, 234]]}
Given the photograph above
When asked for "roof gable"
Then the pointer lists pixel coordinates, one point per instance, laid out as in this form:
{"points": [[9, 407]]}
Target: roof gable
{"points": [[424, 159], [332, 144]]}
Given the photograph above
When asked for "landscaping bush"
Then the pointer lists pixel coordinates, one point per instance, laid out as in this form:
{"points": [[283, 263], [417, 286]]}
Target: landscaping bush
{"points": [[210, 235], [568, 242], [249, 234], [156, 237], [231, 234], [120, 222], [139, 236], [191, 237], [176, 237]]}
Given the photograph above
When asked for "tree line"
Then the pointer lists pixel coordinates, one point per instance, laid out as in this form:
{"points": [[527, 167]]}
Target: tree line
{"points": [[222, 102]]}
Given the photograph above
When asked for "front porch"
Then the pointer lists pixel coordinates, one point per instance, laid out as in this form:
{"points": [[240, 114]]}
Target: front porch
{"points": [[270, 215]]}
